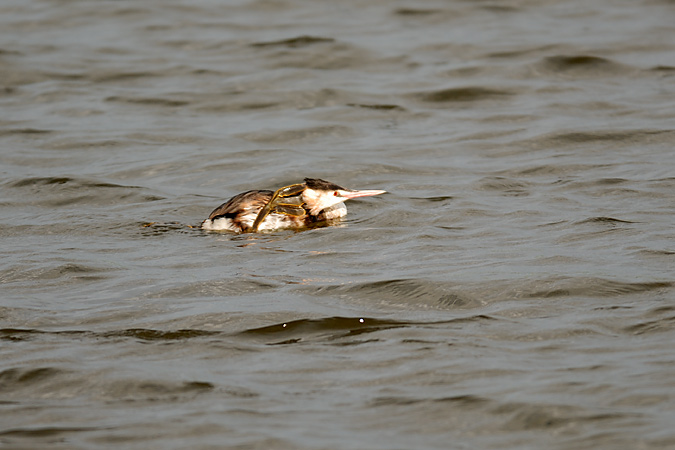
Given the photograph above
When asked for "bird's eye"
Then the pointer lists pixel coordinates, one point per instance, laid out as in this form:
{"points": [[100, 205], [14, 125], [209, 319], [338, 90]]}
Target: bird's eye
{"points": [[336, 193]]}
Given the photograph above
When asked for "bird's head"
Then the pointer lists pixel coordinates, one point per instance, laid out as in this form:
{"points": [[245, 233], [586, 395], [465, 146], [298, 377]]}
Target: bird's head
{"points": [[320, 194]]}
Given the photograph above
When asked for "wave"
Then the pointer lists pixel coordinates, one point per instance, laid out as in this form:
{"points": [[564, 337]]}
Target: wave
{"points": [[58, 191]]}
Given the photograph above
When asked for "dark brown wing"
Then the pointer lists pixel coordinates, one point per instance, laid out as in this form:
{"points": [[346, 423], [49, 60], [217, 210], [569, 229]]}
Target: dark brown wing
{"points": [[242, 203]]}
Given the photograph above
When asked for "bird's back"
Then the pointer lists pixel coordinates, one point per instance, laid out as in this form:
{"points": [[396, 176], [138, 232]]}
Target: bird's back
{"points": [[239, 212]]}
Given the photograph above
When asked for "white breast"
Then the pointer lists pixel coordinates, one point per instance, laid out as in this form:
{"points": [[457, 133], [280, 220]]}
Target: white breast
{"points": [[220, 224], [271, 222]]}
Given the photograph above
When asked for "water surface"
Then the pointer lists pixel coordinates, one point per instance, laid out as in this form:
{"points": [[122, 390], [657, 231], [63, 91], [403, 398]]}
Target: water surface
{"points": [[513, 290]]}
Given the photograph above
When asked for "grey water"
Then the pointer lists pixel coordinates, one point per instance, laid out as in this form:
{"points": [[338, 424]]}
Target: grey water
{"points": [[514, 289]]}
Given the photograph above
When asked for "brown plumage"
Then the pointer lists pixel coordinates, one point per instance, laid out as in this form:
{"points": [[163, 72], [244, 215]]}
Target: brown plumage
{"points": [[294, 206]]}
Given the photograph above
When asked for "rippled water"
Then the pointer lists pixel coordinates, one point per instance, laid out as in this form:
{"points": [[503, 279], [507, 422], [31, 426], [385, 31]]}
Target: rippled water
{"points": [[513, 290]]}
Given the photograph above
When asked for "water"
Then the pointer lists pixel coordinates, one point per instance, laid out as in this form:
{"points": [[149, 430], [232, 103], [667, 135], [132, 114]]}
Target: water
{"points": [[513, 290]]}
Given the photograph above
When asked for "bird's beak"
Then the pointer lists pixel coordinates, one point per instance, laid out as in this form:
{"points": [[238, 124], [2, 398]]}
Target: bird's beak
{"points": [[356, 194]]}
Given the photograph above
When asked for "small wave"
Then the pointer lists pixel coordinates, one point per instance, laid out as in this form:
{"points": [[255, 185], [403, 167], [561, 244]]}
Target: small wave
{"points": [[299, 135], [581, 65], [440, 198], [15, 377], [464, 401], [59, 383], [657, 252], [333, 328], [405, 293], [44, 432], [328, 324], [416, 12], [64, 190], [593, 287], [663, 68], [145, 334], [324, 55], [611, 136], [124, 76], [505, 185], [664, 321], [215, 288], [142, 334], [23, 334], [604, 220], [653, 326], [526, 416], [300, 41], [49, 181], [376, 106], [71, 271], [344, 330], [460, 401], [150, 101], [161, 228], [379, 402], [598, 137], [329, 328], [462, 94], [24, 131]]}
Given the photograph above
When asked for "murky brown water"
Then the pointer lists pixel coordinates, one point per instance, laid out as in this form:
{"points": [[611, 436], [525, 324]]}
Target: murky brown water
{"points": [[514, 290]]}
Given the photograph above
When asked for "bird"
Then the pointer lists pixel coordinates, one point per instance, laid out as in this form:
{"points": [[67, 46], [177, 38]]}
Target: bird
{"points": [[296, 206]]}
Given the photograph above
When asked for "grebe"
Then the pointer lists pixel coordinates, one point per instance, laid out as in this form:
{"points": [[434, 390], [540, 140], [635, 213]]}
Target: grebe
{"points": [[295, 206]]}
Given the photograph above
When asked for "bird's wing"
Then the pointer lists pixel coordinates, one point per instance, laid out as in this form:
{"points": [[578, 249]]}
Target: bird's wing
{"points": [[242, 202]]}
